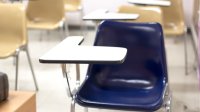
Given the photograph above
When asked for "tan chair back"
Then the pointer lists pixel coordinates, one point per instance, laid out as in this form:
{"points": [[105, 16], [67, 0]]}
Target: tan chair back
{"points": [[147, 13], [72, 5], [173, 18], [45, 10], [13, 25]]}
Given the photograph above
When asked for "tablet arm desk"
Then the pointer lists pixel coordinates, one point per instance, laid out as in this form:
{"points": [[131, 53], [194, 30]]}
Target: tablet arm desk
{"points": [[82, 55]]}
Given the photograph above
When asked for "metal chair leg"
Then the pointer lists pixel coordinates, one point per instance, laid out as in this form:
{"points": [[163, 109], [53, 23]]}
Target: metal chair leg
{"points": [[195, 46], [82, 25], [17, 68], [62, 29], [185, 51], [77, 76], [85, 109], [72, 105], [169, 104], [168, 101], [41, 36], [65, 75], [33, 74], [66, 29]]}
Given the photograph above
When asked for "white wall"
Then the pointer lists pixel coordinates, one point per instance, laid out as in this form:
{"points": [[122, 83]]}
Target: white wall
{"points": [[111, 5]]}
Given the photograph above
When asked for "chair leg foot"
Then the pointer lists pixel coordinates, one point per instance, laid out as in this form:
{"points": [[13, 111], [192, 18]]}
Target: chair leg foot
{"points": [[168, 106], [33, 74], [168, 102]]}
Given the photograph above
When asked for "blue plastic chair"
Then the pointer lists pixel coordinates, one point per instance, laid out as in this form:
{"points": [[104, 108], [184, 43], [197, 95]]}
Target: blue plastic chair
{"points": [[138, 84]]}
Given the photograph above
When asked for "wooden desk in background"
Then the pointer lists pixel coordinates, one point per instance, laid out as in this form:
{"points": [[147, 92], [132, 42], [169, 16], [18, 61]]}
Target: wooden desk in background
{"points": [[19, 101]]}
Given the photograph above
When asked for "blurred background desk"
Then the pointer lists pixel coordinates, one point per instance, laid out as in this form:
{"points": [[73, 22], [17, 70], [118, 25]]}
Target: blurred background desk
{"points": [[103, 14], [151, 2]]}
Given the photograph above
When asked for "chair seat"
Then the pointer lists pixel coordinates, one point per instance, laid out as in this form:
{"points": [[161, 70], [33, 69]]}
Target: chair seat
{"points": [[43, 24], [120, 97], [174, 29], [8, 48]]}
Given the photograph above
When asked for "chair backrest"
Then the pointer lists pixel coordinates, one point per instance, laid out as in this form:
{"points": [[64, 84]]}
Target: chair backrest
{"points": [[147, 13], [173, 18], [73, 2], [73, 5], [2, 1], [45, 10], [145, 62], [13, 24]]}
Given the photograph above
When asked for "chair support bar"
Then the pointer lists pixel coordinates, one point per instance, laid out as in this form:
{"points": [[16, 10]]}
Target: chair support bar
{"points": [[64, 71]]}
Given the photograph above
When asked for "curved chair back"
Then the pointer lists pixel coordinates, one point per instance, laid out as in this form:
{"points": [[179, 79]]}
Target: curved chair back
{"points": [[49, 11], [145, 57], [136, 84], [13, 28], [72, 5], [75, 6], [147, 14], [173, 19], [13, 35]]}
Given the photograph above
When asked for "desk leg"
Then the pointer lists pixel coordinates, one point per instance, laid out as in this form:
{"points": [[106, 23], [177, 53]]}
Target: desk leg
{"points": [[77, 75], [85, 109], [96, 25], [64, 71], [195, 44]]}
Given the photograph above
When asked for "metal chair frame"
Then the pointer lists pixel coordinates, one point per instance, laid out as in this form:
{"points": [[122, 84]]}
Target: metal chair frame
{"points": [[16, 55], [167, 99]]}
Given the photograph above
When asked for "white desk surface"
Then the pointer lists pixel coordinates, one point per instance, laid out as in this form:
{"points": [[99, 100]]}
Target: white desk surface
{"points": [[103, 14], [151, 2], [72, 41], [63, 53]]}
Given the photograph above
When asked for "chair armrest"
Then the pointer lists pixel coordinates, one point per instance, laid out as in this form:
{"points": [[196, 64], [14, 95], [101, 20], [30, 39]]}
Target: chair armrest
{"points": [[63, 53]]}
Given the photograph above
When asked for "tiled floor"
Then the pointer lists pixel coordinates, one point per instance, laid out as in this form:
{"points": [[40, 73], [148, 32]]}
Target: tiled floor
{"points": [[52, 96]]}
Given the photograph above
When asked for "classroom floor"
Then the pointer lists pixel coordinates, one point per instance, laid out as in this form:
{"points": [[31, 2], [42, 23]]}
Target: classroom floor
{"points": [[52, 95]]}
